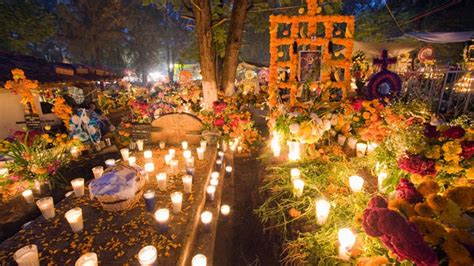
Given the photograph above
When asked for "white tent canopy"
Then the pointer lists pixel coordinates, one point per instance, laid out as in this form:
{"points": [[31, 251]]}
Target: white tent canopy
{"points": [[442, 37]]}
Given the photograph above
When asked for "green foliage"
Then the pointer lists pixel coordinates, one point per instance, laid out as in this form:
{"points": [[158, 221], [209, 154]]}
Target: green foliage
{"points": [[24, 23]]}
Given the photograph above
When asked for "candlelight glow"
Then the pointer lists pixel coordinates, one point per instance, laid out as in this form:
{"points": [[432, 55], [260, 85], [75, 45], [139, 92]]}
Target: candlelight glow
{"points": [[347, 240], [322, 211], [356, 183], [147, 154], [206, 217], [147, 255], [298, 185], [199, 260], [225, 210], [184, 145]]}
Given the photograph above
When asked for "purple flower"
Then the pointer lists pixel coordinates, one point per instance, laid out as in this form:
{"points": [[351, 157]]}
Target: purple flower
{"points": [[430, 131]]}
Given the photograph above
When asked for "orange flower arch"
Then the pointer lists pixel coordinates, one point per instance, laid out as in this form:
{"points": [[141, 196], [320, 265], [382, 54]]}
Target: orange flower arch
{"points": [[23, 86]]}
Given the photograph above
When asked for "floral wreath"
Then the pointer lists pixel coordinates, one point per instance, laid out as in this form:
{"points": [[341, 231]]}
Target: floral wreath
{"points": [[84, 128]]}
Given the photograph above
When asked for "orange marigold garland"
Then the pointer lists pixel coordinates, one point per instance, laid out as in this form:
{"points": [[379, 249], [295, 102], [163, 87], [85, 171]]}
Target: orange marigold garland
{"points": [[22, 86], [62, 110]]}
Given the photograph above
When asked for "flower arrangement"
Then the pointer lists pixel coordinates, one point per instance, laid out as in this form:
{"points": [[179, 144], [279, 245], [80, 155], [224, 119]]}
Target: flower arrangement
{"points": [[62, 110], [23, 86]]}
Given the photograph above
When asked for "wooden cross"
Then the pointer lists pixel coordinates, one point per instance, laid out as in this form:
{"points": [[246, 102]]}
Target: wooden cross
{"points": [[384, 61]]}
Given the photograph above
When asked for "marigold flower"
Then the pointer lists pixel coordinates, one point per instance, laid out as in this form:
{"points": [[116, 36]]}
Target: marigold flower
{"points": [[428, 187], [462, 196], [423, 209], [402, 206], [457, 253], [437, 202], [433, 232]]}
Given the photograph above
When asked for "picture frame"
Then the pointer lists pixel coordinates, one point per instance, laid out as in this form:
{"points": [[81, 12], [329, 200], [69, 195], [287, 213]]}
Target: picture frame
{"points": [[310, 65]]}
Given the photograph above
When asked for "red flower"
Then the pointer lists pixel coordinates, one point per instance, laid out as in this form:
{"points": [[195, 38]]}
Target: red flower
{"points": [[378, 201], [219, 122], [455, 132], [417, 164], [467, 149], [407, 191], [218, 107], [357, 105]]}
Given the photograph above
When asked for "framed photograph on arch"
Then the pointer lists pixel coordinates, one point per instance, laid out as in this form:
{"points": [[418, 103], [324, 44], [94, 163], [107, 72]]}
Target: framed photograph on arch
{"points": [[310, 63]]}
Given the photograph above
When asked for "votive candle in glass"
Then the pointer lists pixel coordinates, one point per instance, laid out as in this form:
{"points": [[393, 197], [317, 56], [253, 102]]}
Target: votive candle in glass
{"points": [[361, 149], [161, 180], [295, 173], [132, 160], [75, 152], [221, 155], [211, 192], [147, 256], [352, 142], [356, 183], [177, 201], [174, 164], [88, 259], [214, 175], [298, 185], [203, 144], [125, 154], [347, 240], [150, 200], [341, 139], [98, 171], [109, 163], [322, 211], [162, 216], [187, 154], [149, 167], [27, 256], [228, 171], [199, 260], [206, 219], [28, 195], [148, 154], [218, 164], [184, 145], [190, 162], [172, 152], [168, 158], [225, 210], [78, 186], [187, 183], [200, 153], [140, 145], [46, 206], [214, 182], [74, 218], [294, 150]]}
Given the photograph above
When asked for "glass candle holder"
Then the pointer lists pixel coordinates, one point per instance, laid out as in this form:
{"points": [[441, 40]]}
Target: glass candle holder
{"points": [[98, 171], [322, 211], [109, 163], [27, 256], [125, 152], [162, 216], [132, 161], [28, 195], [203, 144], [187, 183], [206, 219], [168, 158], [356, 183], [211, 192], [177, 201], [140, 143], [148, 154], [46, 206], [200, 153], [161, 179], [150, 200], [172, 152], [147, 256], [184, 145], [88, 259], [74, 218], [78, 186], [199, 260]]}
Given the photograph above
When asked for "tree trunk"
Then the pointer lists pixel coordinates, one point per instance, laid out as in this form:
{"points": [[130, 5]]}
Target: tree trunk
{"points": [[234, 39], [202, 12]]}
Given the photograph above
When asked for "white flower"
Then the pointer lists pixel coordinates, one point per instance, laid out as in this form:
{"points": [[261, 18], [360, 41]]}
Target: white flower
{"points": [[294, 128]]}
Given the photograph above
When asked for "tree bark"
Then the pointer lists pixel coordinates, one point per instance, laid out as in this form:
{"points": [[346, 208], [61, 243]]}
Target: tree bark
{"points": [[234, 40], [202, 13]]}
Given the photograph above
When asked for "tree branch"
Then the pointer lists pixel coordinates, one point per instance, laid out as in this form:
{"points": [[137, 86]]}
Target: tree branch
{"points": [[196, 6], [220, 22]]}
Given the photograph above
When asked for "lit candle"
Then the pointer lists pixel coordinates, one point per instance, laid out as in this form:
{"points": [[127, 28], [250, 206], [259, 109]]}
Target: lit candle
{"points": [[75, 152], [380, 180], [218, 165], [177, 201], [322, 211], [206, 218], [46, 207], [228, 170], [352, 142], [294, 150], [225, 210], [148, 154], [132, 160], [295, 173], [162, 145], [27, 256], [356, 183], [190, 162], [149, 197], [174, 166], [371, 147], [168, 158], [74, 218], [187, 154], [78, 186], [88, 259], [221, 155], [211, 192], [140, 144], [214, 175], [298, 185], [109, 163], [361, 148], [275, 145], [341, 139], [162, 216], [214, 182], [161, 179], [187, 183], [239, 149], [347, 240], [203, 144], [147, 256], [149, 167], [199, 260], [172, 152], [125, 154], [28, 195], [200, 153], [184, 145]]}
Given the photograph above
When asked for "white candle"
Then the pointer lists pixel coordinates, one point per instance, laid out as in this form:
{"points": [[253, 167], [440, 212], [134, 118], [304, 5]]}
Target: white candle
{"points": [[187, 154], [87, 259], [199, 260], [187, 183], [172, 152], [200, 153], [294, 150], [75, 152], [275, 145], [74, 218], [109, 163], [225, 210], [347, 240], [184, 145], [214, 175], [211, 191], [190, 162], [162, 216], [322, 211], [162, 145], [125, 154], [295, 173], [140, 144], [149, 167], [161, 179], [27, 256], [228, 170], [221, 155], [206, 219], [218, 164], [352, 142], [298, 185], [78, 186], [239, 149], [174, 166], [356, 183], [203, 145], [361, 148], [28, 195], [341, 139], [46, 207], [214, 182], [380, 180], [148, 154], [177, 201], [168, 159], [147, 256], [132, 160]]}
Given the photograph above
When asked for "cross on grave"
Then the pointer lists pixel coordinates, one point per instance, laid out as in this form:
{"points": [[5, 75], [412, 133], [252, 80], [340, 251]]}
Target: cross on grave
{"points": [[384, 61]]}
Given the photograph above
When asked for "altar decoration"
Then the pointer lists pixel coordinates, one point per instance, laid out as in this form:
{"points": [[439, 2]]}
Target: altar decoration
{"points": [[23, 86], [62, 110], [112, 100], [119, 188], [84, 127]]}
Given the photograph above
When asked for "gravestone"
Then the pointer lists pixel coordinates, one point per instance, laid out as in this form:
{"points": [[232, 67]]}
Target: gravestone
{"points": [[33, 122], [175, 128], [141, 131]]}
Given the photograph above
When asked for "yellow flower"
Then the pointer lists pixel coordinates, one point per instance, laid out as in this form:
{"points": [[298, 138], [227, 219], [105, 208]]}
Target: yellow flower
{"points": [[462, 195], [470, 173], [428, 187], [451, 151], [433, 232], [356, 118], [402, 206], [453, 167], [423, 209], [457, 253], [433, 152], [366, 115]]}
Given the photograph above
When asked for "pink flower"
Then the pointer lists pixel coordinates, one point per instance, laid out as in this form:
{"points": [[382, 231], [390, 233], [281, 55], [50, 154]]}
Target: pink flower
{"points": [[218, 107], [219, 122], [357, 105]]}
